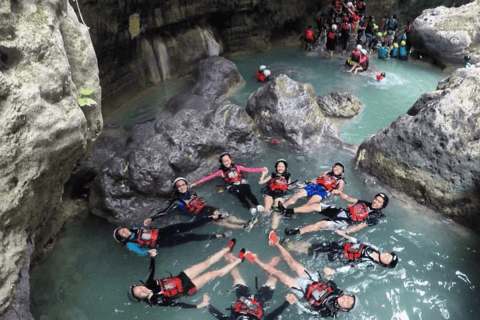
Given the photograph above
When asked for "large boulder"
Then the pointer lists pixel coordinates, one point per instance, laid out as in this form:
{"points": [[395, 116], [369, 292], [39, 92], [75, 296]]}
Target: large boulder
{"points": [[448, 34], [287, 110], [134, 173], [339, 105], [47, 58], [433, 152]]}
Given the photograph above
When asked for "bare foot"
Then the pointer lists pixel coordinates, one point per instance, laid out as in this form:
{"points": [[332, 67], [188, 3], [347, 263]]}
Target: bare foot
{"points": [[274, 261]]}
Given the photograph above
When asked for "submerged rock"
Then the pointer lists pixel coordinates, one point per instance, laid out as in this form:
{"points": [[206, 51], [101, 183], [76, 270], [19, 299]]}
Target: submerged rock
{"points": [[47, 59], [136, 172], [339, 104], [288, 110], [433, 152], [448, 34]]}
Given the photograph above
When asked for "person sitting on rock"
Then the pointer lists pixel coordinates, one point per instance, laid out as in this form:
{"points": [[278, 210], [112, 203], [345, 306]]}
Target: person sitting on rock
{"points": [[188, 201], [352, 253], [325, 298], [248, 307], [141, 240], [355, 56], [309, 38], [363, 64], [164, 291], [329, 182], [235, 183], [359, 215], [277, 186]]}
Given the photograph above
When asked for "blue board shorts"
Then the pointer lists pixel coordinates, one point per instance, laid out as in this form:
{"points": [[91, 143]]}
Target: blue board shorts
{"points": [[316, 189]]}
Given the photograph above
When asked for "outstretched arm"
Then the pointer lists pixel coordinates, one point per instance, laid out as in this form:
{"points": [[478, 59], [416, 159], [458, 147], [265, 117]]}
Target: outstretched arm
{"points": [[289, 299], [356, 228], [347, 198], [209, 177], [264, 178], [206, 304], [171, 208], [251, 170]]}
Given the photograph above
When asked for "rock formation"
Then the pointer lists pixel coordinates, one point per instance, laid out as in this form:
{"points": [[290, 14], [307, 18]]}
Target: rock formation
{"points": [[432, 152], [47, 58], [448, 34], [339, 105]]}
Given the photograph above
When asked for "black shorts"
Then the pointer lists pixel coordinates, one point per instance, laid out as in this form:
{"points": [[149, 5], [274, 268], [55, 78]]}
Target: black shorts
{"points": [[207, 211], [262, 296], [188, 288], [273, 194]]}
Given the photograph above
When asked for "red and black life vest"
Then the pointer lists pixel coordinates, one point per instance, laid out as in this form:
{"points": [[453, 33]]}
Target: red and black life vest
{"points": [[317, 293], [356, 56], [260, 76], [147, 237], [358, 212], [255, 309], [232, 175], [172, 288], [194, 204], [337, 5], [345, 27], [329, 181], [309, 34], [353, 252], [331, 35], [278, 183]]}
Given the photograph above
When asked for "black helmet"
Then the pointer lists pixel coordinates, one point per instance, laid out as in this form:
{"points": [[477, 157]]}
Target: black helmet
{"points": [[223, 154], [384, 197], [131, 296], [394, 261], [284, 162], [383, 74]]}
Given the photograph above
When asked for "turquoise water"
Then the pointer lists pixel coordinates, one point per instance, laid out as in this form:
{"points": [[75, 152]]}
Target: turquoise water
{"points": [[87, 274]]}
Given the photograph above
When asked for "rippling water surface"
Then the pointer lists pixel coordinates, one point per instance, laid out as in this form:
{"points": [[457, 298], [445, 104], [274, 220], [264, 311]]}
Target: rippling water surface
{"points": [[87, 274]]}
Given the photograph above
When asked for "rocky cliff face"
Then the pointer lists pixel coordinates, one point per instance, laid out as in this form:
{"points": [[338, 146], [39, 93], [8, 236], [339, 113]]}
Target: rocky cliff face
{"points": [[448, 34], [432, 152], [46, 58]]}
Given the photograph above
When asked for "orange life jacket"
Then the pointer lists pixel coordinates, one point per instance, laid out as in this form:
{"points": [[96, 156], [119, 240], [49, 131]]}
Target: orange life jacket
{"points": [[358, 212], [248, 306], [309, 34], [331, 35], [194, 204], [317, 292], [147, 237], [329, 181], [260, 76], [353, 252], [278, 183], [232, 175], [172, 288], [356, 56]]}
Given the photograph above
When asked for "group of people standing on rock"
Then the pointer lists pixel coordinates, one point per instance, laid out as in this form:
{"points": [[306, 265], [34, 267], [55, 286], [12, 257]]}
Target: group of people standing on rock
{"points": [[317, 290]]}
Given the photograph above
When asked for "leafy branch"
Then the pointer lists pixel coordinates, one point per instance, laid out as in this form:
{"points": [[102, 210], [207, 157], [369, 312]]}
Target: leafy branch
{"points": [[84, 99]]}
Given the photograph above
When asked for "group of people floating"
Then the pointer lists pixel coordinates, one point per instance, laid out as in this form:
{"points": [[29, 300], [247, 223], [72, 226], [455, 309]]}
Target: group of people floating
{"points": [[319, 292]]}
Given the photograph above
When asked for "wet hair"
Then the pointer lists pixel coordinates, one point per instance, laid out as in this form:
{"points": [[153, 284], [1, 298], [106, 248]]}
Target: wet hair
{"points": [[384, 197], [383, 74]]}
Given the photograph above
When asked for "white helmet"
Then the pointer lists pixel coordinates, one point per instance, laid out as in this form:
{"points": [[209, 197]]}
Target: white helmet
{"points": [[359, 47], [349, 4], [334, 27], [364, 51], [266, 73], [262, 67]]}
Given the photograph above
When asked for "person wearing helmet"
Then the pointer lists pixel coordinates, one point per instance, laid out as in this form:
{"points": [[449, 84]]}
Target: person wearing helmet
{"points": [[381, 76], [468, 64], [363, 64], [336, 8], [369, 30], [234, 182], [267, 74], [247, 306], [395, 50], [277, 185], [355, 56], [383, 51], [345, 30], [402, 52], [329, 182], [187, 201], [308, 38], [260, 74], [361, 7], [348, 8], [360, 214], [324, 297], [164, 291], [321, 20], [350, 252], [361, 26], [391, 26], [332, 39]]}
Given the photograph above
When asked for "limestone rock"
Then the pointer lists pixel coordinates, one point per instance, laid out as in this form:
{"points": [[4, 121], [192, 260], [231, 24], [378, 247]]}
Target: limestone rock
{"points": [[433, 152], [339, 105], [448, 34], [47, 58], [288, 110]]}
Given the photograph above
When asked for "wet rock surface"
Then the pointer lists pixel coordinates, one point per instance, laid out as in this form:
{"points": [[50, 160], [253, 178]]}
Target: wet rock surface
{"points": [[432, 152], [339, 105]]}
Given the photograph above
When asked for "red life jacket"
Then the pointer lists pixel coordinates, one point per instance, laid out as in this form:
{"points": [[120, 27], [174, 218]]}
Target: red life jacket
{"points": [[260, 76], [359, 5], [331, 35], [379, 77], [345, 26], [309, 34], [356, 56], [358, 212], [351, 252], [329, 181], [232, 175], [337, 6], [255, 309], [147, 237], [194, 204], [172, 288], [317, 292], [278, 183]]}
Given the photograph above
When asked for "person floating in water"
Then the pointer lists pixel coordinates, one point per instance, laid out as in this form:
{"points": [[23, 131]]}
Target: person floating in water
{"points": [[381, 76], [247, 306], [359, 215], [259, 75], [328, 182], [309, 38], [325, 298], [277, 185], [188, 201], [350, 252], [235, 184], [141, 240], [164, 291]]}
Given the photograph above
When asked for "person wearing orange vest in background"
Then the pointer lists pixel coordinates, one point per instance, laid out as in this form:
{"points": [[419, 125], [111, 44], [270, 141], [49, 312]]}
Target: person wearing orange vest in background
{"points": [[381, 76], [359, 215], [247, 306], [345, 30], [363, 64], [324, 297], [309, 38], [164, 291], [332, 39]]}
